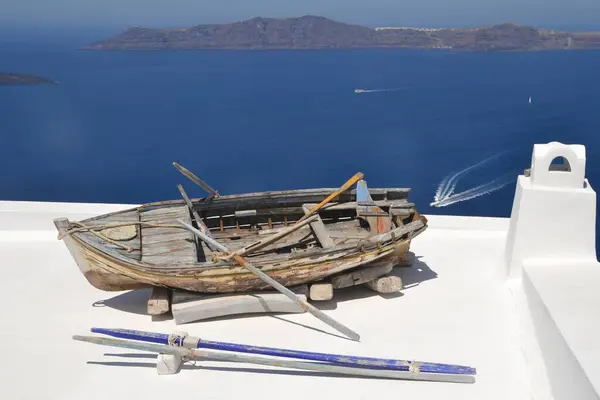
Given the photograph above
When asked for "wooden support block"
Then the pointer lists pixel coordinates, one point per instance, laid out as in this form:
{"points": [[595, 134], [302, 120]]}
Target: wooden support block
{"points": [[385, 284], [321, 291], [168, 364], [362, 275], [159, 301], [189, 307]]}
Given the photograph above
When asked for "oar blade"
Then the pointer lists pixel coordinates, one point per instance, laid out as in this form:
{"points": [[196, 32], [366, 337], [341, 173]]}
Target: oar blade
{"points": [[191, 176]]}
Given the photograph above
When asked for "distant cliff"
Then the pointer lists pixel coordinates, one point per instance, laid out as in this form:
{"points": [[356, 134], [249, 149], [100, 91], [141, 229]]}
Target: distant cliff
{"points": [[22, 79], [312, 32]]}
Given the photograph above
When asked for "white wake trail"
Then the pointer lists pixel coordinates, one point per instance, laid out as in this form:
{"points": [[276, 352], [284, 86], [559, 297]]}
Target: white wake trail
{"points": [[379, 90], [448, 184], [440, 188], [475, 192]]}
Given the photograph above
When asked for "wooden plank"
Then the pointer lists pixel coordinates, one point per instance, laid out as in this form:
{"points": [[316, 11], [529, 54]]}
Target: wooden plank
{"points": [[361, 275], [167, 245], [319, 230], [399, 212], [166, 213], [189, 307], [159, 301], [385, 284], [128, 216], [158, 236], [270, 199], [165, 248], [413, 228], [183, 296], [351, 205], [263, 243], [347, 227], [303, 235], [321, 291]]}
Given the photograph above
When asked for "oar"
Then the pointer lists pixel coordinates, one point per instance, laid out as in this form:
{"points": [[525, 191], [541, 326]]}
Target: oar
{"points": [[193, 354], [192, 342], [260, 244], [357, 177], [308, 217], [190, 175], [199, 221], [282, 289]]}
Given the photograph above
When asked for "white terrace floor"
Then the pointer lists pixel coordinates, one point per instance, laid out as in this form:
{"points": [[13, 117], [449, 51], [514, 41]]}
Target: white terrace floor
{"points": [[456, 309]]}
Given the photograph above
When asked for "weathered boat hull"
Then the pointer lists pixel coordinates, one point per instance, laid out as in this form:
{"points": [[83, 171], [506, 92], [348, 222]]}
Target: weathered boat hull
{"points": [[110, 274], [110, 268]]}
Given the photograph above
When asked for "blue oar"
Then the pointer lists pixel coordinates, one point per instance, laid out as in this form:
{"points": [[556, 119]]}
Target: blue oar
{"points": [[338, 359]]}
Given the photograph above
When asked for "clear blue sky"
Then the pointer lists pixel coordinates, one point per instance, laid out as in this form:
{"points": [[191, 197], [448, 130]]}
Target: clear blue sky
{"points": [[180, 13]]}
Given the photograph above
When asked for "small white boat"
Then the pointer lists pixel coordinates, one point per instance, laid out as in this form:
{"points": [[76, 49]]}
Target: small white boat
{"points": [[359, 90]]}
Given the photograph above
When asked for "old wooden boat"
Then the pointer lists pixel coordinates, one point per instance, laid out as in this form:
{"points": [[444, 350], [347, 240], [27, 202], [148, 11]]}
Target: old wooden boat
{"points": [[146, 246]]}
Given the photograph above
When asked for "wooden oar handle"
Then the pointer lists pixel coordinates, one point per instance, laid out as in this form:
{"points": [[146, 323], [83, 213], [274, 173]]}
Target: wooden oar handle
{"points": [[357, 177]]}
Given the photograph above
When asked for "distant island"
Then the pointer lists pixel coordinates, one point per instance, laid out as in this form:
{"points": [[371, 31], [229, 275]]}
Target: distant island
{"points": [[8, 78], [313, 32]]}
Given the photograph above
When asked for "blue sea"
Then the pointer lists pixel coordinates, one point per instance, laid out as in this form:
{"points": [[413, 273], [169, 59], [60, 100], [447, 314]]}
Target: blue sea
{"points": [[272, 120]]}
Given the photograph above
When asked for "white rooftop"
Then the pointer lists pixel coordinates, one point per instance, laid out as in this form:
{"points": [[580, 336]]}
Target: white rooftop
{"points": [[529, 333]]}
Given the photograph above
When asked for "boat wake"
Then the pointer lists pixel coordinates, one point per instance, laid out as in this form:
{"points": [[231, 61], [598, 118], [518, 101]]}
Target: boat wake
{"points": [[475, 192], [445, 196], [376, 90]]}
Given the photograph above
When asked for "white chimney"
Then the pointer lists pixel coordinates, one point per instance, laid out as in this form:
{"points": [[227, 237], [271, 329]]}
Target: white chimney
{"points": [[554, 210]]}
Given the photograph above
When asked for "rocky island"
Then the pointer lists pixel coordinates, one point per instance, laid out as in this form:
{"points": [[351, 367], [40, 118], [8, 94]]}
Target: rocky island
{"points": [[313, 32], [8, 78]]}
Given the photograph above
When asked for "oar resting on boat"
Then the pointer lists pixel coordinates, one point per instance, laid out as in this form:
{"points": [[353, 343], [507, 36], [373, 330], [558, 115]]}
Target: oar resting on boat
{"points": [[191, 342], [206, 237], [276, 285], [198, 354]]}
